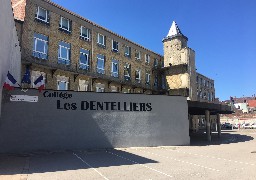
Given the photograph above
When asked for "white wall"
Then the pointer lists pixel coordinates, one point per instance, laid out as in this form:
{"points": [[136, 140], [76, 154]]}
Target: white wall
{"points": [[10, 56], [242, 106]]}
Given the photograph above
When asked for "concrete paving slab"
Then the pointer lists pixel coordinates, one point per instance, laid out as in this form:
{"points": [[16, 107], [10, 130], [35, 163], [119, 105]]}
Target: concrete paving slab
{"points": [[230, 157]]}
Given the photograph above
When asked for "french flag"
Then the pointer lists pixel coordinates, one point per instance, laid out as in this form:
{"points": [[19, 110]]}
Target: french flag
{"points": [[10, 82], [39, 83]]}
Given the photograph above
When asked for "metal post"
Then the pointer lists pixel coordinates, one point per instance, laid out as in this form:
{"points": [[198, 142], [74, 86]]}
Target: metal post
{"points": [[208, 126], [218, 125]]}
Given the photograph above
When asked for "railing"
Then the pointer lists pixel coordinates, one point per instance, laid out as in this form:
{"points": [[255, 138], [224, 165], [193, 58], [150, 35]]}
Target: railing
{"points": [[75, 69]]}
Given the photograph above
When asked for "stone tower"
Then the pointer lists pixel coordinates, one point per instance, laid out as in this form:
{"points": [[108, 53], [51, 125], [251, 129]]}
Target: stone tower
{"points": [[179, 63]]}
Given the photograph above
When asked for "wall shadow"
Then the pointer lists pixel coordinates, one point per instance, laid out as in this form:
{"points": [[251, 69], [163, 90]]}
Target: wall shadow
{"points": [[63, 161], [227, 137]]}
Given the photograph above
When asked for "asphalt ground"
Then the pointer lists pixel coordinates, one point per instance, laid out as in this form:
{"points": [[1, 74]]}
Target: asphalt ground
{"points": [[231, 157]]}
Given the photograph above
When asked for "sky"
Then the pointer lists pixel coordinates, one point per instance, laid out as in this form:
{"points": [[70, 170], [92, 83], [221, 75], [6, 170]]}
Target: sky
{"points": [[222, 33]]}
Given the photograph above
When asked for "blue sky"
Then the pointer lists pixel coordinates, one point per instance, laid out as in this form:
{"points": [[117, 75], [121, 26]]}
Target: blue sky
{"points": [[222, 32]]}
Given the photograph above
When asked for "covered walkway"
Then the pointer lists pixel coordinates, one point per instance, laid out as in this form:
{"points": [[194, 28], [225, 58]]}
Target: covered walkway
{"points": [[196, 108]]}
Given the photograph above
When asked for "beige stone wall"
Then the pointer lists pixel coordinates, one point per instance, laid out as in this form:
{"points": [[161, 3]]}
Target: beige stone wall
{"points": [[178, 81], [31, 26], [176, 52]]}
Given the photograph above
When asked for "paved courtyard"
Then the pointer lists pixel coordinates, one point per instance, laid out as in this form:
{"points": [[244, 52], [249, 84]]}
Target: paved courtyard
{"points": [[232, 157]]}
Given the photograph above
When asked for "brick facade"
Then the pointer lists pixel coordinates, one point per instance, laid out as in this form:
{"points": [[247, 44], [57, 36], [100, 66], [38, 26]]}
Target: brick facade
{"points": [[176, 54], [53, 69]]}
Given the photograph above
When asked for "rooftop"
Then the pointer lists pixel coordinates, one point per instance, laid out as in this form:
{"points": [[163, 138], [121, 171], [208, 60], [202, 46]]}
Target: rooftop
{"points": [[174, 30]]}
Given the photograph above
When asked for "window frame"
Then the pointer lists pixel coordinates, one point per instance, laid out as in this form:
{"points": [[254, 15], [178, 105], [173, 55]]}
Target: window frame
{"points": [[100, 89], [156, 63], [103, 38], [139, 54], [129, 51], [61, 25], [81, 83], [47, 16], [37, 75], [147, 58], [86, 53], [139, 73], [46, 46], [115, 43], [115, 74], [100, 70], [61, 81], [127, 68], [88, 32], [62, 59], [147, 78]]}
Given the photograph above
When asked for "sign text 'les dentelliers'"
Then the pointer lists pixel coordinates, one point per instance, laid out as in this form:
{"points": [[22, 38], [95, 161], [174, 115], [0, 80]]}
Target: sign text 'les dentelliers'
{"points": [[96, 105]]}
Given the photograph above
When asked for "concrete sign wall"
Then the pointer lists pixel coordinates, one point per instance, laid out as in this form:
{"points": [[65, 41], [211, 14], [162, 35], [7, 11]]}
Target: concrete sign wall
{"points": [[62, 120], [10, 56]]}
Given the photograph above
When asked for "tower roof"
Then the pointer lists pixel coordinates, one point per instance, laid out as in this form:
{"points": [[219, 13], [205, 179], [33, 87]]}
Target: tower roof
{"points": [[174, 30]]}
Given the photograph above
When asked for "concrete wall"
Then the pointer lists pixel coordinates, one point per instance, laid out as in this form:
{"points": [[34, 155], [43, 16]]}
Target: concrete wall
{"points": [[9, 47], [155, 120]]}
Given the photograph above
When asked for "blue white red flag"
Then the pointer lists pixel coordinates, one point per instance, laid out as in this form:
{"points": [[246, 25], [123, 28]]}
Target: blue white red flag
{"points": [[10, 82], [39, 83]]}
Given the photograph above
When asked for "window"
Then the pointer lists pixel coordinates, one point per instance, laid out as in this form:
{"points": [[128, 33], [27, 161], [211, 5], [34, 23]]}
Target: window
{"points": [[101, 40], [155, 62], [156, 81], [114, 46], [204, 82], [204, 95], [85, 33], [114, 89], [35, 75], [114, 70], [200, 94], [84, 59], [65, 25], [209, 96], [162, 64], [62, 82], [62, 85], [147, 78], [127, 72], [197, 79], [100, 64], [42, 15], [137, 55], [99, 89], [40, 46], [137, 76], [127, 51], [83, 85], [64, 53], [125, 90], [147, 58]]}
